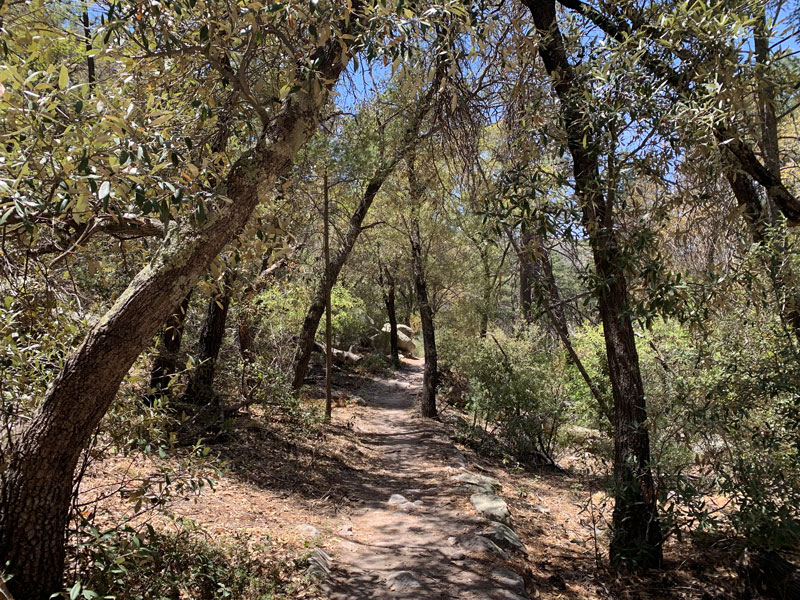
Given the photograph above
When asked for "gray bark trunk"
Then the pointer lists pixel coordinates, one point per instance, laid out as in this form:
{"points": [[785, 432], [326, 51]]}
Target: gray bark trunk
{"points": [[430, 376], [636, 539]]}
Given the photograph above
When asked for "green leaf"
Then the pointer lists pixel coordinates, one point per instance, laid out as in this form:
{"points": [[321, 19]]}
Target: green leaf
{"points": [[105, 190], [75, 591], [63, 77]]}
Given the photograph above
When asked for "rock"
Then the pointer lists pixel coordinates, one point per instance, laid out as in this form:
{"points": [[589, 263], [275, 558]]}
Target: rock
{"points": [[402, 581], [480, 545], [307, 530], [381, 341], [401, 503], [492, 507], [509, 580], [482, 482], [338, 356], [404, 329], [346, 529], [319, 564], [509, 595], [505, 537], [542, 509]]}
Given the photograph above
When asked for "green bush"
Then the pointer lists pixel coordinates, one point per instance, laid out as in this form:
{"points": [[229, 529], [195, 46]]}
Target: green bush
{"points": [[280, 309], [152, 564], [515, 391], [724, 414]]}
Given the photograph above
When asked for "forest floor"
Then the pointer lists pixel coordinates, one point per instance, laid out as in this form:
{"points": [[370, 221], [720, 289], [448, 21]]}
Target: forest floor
{"points": [[375, 492]]}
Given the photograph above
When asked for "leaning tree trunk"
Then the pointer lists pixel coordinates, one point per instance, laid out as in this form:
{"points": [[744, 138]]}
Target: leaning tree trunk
{"points": [[165, 364], [636, 538], [311, 322], [200, 390], [38, 465]]}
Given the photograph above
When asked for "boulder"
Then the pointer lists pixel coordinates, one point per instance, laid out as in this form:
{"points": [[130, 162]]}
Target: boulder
{"points": [[492, 507], [404, 329], [504, 536], [381, 341]]}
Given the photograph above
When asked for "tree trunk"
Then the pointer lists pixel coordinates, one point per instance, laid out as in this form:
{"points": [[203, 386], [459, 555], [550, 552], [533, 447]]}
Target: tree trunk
{"points": [[212, 332], [311, 322], [165, 364], [387, 285], [430, 377], [39, 464], [636, 539]]}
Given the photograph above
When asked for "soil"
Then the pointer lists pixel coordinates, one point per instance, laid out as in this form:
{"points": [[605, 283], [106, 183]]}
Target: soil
{"points": [[293, 491]]}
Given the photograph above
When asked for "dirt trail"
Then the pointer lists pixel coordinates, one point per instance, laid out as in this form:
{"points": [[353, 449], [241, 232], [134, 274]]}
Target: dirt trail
{"points": [[422, 547]]}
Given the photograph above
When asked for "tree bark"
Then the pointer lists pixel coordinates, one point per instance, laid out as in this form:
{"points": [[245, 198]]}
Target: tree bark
{"points": [[212, 332], [430, 376], [165, 364], [38, 465], [526, 273], [636, 539]]}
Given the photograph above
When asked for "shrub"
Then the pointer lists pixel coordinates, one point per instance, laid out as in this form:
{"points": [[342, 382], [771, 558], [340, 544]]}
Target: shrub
{"points": [[515, 391], [152, 564], [724, 423]]}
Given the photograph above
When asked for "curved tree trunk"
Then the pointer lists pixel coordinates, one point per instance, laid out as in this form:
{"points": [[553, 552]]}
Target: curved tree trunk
{"points": [[39, 464], [636, 539], [308, 333], [311, 322]]}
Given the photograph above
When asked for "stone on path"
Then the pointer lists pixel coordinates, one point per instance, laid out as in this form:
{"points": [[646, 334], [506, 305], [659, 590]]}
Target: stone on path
{"points": [[492, 507], [482, 482], [504, 536], [480, 545], [402, 581], [401, 503], [319, 564], [509, 580]]}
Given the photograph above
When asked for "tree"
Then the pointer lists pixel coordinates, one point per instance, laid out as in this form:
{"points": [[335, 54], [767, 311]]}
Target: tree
{"points": [[40, 461], [430, 375], [637, 535]]}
